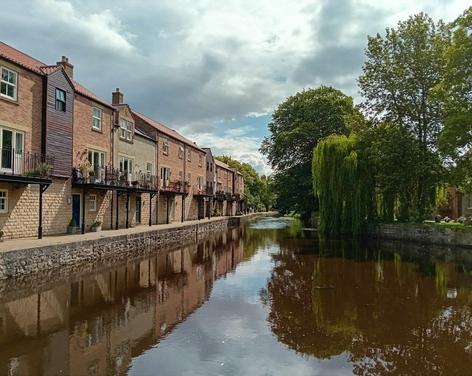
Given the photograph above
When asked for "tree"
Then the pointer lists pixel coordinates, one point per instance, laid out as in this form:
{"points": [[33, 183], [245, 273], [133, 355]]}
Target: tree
{"points": [[297, 125], [258, 192], [341, 185], [399, 78], [456, 93]]}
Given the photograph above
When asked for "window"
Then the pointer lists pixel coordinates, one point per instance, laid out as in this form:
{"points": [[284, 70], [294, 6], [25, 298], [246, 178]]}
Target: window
{"points": [[97, 119], [208, 166], [189, 178], [97, 163], [149, 169], [60, 100], [126, 165], [165, 146], [3, 201], [189, 156], [11, 151], [92, 201], [165, 176], [181, 152], [200, 182], [8, 83], [126, 130], [200, 160]]}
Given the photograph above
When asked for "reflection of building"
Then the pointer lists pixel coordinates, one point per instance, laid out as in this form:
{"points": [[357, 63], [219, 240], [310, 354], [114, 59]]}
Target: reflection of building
{"points": [[94, 325]]}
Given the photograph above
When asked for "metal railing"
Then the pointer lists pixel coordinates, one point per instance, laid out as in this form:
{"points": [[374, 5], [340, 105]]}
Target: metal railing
{"points": [[115, 178], [176, 186], [202, 190], [20, 163]]}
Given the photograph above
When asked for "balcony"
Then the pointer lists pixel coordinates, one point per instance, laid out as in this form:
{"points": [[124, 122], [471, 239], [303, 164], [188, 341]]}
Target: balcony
{"points": [[175, 186], [30, 166], [108, 177], [202, 190]]}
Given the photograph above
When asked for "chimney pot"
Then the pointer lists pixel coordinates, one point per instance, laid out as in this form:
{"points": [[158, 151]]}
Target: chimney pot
{"points": [[117, 97], [68, 67]]}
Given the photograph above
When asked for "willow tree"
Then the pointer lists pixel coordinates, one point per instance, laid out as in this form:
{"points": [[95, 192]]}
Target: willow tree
{"points": [[341, 186]]}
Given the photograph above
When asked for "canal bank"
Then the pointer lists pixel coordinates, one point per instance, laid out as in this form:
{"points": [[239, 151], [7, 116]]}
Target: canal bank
{"points": [[422, 233], [29, 256]]}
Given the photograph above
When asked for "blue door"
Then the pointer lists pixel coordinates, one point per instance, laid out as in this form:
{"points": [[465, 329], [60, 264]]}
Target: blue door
{"points": [[76, 209]]}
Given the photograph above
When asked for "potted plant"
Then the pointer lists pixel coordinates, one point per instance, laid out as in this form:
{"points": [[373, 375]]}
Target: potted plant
{"points": [[71, 228], [96, 226]]}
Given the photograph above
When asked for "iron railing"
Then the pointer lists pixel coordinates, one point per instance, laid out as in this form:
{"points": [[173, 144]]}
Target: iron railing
{"points": [[175, 186], [20, 163], [202, 190], [115, 178]]}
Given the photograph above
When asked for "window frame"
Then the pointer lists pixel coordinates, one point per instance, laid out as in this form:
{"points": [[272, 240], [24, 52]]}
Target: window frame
{"points": [[149, 171], [121, 162], [5, 200], [94, 117], [200, 160], [92, 198], [165, 146], [189, 155], [125, 133], [181, 152], [63, 102], [8, 83]]}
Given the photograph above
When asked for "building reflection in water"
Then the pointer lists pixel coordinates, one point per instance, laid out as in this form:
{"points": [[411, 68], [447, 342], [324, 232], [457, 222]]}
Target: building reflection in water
{"points": [[97, 323]]}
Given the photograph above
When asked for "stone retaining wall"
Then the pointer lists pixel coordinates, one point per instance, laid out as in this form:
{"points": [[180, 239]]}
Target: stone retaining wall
{"points": [[117, 247], [421, 233]]}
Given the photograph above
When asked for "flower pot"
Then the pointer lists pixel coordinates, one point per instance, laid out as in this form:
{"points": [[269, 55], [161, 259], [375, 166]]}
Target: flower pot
{"points": [[96, 228]]}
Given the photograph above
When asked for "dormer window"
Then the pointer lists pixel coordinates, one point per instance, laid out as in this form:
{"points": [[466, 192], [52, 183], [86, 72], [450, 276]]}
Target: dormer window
{"points": [[9, 82], [126, 130], [60, 100]]}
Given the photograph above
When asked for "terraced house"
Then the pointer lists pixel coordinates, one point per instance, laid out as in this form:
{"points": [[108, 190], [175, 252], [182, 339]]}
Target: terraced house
{"points": [[72, 162]]}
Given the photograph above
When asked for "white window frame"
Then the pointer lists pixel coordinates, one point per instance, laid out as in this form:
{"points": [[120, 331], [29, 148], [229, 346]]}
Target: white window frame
{"points": [[165, 176], [165, 146], [189, 156], [200, 182], [181, 152], [60, 100], [97, 118], [5, 201], [8, 83], [149, 169], [19, 156], [200, 160], [126, 130], [130, 161], [92, 198]]}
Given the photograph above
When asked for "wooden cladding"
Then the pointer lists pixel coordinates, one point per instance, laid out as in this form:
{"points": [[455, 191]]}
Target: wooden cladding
{"points": [[59, 123]]}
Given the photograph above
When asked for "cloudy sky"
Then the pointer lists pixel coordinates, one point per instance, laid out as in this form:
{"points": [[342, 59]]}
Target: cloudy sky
{"points": [[214, 70]]}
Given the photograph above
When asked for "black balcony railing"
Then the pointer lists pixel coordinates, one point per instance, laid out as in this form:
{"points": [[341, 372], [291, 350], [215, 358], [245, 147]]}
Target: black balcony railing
{"points": [[113, 177], [19, 163], [174, 186], [202, 190]]}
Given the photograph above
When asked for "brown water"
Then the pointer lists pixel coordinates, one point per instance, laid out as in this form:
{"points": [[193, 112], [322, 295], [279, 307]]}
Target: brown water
{"points": [[262, 300]]}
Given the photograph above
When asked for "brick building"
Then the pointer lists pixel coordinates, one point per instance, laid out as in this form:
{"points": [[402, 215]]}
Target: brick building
{"points": [[72, 162]]}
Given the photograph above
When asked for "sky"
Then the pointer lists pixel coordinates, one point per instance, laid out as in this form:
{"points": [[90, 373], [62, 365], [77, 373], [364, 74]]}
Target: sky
{"points": [[212, 70]]}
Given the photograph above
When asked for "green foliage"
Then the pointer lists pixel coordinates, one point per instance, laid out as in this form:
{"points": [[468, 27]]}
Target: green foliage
{"points": [[259, 191], [400, 76], [341, 184], [297, 125]]}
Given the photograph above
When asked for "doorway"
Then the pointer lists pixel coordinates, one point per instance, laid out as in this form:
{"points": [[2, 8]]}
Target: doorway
{"points": [[76, 199], [138, 210]]}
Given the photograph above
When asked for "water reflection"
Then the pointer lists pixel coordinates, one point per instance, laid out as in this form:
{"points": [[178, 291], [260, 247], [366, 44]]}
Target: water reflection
{"points": [[388, 310], [96, 324], [263, 299]]}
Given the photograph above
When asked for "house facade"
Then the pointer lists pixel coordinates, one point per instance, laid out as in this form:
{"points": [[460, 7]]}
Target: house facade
{"points": [[72, 162]]}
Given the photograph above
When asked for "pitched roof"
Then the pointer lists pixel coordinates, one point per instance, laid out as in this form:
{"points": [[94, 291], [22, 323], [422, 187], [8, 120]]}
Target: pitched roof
{"points": [[223, 165], [37, 66], [21, 58], [82, 90], [166, 130]]}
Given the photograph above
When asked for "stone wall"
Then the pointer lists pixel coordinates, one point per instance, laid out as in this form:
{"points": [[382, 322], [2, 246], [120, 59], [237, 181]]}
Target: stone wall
{"points": [[117, 247], [421, 233]]}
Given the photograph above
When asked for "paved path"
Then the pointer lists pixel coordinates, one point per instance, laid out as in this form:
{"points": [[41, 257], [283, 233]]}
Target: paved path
{"points": [[17, 244]]}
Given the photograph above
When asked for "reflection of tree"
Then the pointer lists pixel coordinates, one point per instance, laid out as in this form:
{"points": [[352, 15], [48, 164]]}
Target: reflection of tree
{"points": [[379, 307]]}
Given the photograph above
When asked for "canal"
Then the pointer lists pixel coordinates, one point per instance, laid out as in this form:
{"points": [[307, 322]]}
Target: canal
{"points": [[267, 298]]}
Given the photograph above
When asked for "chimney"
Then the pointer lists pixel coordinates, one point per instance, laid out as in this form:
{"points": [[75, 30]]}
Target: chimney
{"points": [[117, 97], [68, 67]]}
